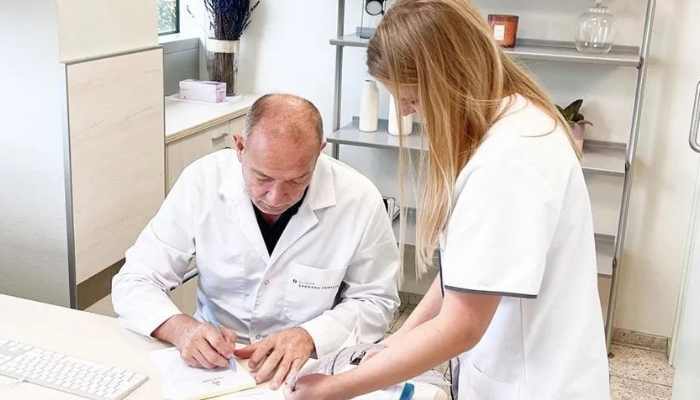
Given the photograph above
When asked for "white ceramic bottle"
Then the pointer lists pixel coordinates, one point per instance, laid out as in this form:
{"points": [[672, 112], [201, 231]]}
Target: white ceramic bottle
{"points": [[406, 121], [369, 107]]}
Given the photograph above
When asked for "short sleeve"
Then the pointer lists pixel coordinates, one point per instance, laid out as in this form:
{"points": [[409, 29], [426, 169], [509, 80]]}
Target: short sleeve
{"points": [[500, 232]]}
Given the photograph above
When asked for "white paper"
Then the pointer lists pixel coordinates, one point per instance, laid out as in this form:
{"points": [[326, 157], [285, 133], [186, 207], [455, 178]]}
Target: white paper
{"points": [[182, 382], [392, 393], [255, 394]]}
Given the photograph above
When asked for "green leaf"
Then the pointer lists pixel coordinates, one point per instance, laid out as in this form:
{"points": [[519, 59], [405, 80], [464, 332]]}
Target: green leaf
{"points": [[573, 108]]}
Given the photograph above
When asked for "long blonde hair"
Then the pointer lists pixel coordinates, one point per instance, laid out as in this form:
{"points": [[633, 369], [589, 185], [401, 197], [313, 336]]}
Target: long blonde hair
{"points": [[445, 48]]}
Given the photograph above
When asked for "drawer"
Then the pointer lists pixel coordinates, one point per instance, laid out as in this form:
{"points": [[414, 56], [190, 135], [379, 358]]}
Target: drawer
{"points": [[181, 153]]}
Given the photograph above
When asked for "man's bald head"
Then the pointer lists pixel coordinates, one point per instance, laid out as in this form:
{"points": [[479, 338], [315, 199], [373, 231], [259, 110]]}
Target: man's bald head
{"points": [[278, 150], [285, 115]]}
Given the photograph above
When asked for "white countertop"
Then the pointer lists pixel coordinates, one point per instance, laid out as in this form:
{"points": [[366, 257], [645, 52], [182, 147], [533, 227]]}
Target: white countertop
{"points": [[185, 117]]}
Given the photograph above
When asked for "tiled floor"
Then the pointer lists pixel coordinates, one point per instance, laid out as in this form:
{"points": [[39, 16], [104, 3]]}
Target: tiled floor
{"points": [[636, 373]]}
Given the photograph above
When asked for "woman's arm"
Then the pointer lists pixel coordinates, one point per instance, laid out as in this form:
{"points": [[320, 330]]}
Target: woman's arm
{"points": [[426, 310], [460, 324]]}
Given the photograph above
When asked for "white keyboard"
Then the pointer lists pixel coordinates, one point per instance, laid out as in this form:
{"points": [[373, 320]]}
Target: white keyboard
{"points": [[67, 374]]}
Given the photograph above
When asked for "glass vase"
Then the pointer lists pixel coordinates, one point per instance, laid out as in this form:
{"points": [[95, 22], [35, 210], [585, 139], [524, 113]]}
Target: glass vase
{"points": [[596, 30], [222, 63]]}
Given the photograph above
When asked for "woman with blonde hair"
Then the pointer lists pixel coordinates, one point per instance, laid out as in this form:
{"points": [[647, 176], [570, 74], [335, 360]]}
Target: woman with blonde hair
{"points": [[504, 199]]}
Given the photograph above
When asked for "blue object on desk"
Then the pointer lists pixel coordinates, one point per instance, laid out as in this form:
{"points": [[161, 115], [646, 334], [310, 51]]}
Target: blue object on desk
{"points": [[408, 390]]}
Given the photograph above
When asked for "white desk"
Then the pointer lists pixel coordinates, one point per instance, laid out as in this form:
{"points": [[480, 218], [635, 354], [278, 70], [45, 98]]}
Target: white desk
{"points": [[84, 335]]}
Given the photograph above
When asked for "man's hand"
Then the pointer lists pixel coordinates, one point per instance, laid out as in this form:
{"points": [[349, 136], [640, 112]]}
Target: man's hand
{"points": [[201, 345], [278, 356]]}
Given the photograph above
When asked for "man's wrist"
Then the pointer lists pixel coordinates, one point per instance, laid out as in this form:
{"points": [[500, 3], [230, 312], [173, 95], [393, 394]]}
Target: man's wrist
{"points": [[170, 330], [312, 342]]}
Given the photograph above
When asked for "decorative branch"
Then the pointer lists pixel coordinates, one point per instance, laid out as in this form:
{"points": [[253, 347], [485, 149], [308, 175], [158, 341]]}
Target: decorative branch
{"points": [[228, 19]]}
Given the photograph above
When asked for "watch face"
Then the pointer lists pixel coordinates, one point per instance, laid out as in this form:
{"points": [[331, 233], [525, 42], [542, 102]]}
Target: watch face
{"points": [[374, 7]]}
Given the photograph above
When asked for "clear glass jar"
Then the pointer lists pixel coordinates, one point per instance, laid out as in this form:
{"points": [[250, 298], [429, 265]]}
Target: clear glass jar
{"points": [[596, 30]]}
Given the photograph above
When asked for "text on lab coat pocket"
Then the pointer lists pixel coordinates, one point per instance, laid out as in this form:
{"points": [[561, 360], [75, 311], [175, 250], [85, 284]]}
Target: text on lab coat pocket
{"points": [[311, 291]]}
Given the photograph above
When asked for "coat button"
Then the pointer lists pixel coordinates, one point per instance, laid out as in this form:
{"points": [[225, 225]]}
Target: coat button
{"points": [[266, 282], [258, 337], [294, 280]]}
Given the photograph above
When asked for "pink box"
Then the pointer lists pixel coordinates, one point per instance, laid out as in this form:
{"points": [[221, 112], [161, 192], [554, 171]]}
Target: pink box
{"points": [[209, 91]]}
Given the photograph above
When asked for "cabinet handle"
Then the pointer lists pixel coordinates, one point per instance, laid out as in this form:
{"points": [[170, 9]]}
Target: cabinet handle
{"points": [[695, 122], [215, 138]]}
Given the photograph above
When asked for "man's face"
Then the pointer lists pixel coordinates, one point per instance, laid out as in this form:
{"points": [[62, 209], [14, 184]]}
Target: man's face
{"points": [[277, 169]]}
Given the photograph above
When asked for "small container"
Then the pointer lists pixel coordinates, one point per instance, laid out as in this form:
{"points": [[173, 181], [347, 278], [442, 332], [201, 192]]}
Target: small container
{"points": [[209, 91], [399, 125], [596, 30], [369, 107], [505, 29]]}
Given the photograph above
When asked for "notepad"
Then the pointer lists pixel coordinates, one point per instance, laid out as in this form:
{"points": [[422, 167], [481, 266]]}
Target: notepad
{"points": [[255, 394], [182, 382]]}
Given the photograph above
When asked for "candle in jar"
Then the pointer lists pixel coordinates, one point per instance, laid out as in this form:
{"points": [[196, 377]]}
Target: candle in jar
{"points": [[504, 29]]}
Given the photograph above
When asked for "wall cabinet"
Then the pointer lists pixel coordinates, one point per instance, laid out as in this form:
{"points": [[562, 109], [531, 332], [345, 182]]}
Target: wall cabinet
{"points": [[85, 154]]}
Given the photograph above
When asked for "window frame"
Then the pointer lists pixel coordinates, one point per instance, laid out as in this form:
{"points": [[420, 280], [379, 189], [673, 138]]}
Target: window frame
{"points": [[177, 21]]}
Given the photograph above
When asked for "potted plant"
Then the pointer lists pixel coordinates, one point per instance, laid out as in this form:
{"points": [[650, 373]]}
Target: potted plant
{"points": [[572, 114], [228, 19]]}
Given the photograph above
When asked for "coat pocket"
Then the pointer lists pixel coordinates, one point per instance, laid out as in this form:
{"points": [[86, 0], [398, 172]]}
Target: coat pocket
{"points": [[311, 291], [476, 385]]}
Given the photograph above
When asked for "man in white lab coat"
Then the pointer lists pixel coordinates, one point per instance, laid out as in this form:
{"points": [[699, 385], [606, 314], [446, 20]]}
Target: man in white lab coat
{"points": [[294, 249]]}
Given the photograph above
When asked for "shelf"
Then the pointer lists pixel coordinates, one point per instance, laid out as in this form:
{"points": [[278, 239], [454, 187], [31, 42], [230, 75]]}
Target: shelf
{"points": [[410, 227], [605, 253], [605, 244], [541, 50], [381, 139], [602, 158], [352, 40]]}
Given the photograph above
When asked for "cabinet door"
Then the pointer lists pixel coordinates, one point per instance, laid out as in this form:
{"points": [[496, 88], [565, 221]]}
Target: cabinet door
{"points": [[116, 154], [181, 153], [106, 22]]}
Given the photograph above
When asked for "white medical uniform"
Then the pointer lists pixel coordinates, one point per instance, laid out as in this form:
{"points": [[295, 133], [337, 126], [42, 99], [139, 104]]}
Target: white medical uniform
{"points": [[521, 227], [341, 234]]}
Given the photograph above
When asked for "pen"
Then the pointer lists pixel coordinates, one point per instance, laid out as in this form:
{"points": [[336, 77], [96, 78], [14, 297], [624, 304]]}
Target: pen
{"points": [[210, 318], [407, 392]]}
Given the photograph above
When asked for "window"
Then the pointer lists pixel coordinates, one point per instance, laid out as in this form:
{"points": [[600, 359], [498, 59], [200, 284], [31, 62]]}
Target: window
{"points": [[168, 16]]}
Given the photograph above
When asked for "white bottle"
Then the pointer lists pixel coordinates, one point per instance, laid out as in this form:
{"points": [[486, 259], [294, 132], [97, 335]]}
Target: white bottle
{"points": [[369, 107], [406, 121]]}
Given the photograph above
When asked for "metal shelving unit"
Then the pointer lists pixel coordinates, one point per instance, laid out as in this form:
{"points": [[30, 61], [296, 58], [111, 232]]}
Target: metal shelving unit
{"points": [[599, 157], [603, 158], [543, 50]]}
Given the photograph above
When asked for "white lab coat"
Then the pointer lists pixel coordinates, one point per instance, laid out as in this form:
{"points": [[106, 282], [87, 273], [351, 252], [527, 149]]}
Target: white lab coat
{"points": [[341, 233], [522, 228]]}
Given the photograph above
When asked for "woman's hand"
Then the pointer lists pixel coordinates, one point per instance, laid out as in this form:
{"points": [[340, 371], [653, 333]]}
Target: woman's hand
{"points": [[316, 387]]}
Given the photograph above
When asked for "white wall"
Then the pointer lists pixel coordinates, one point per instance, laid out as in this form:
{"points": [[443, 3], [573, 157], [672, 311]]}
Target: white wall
{"points": [[32, 198], [286, 49], [665, 175]]}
